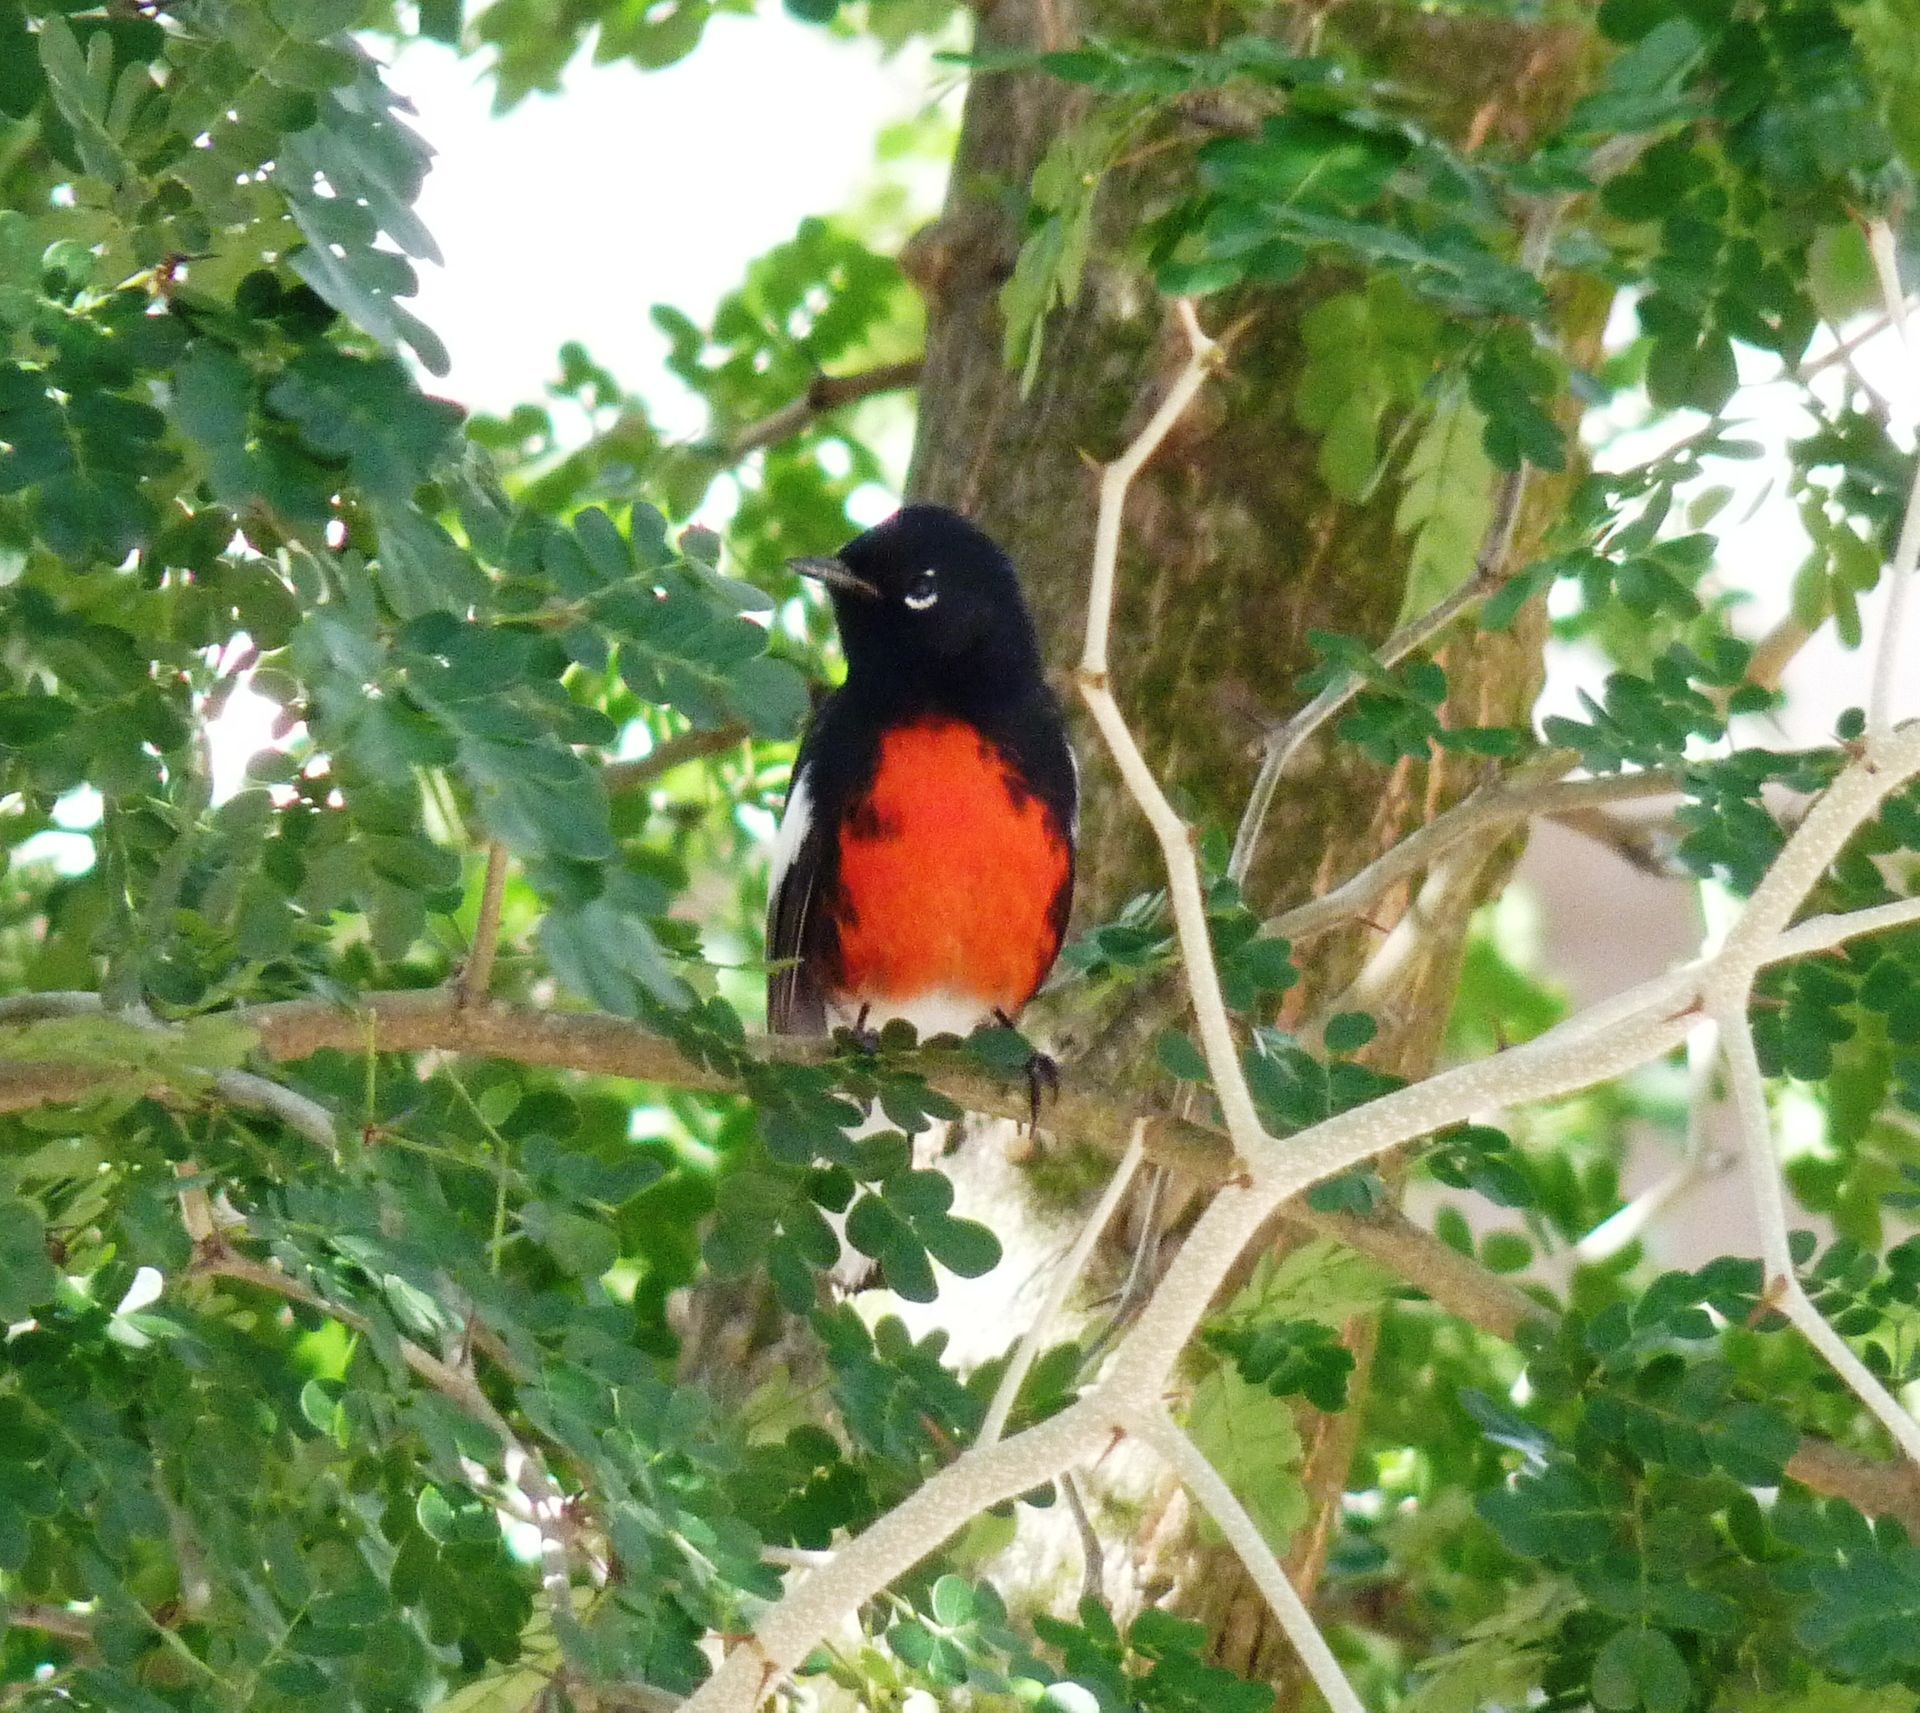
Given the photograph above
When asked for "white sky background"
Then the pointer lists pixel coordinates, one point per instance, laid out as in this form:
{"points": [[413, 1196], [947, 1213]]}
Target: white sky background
{"points": [[571, 216]]}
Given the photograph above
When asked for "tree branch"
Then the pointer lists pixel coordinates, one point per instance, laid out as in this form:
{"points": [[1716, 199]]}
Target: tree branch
{"points": [[825, 393], [670, 753], [1219, 1501], [51, 1621], [593, 1043], [1064, 1278], [298, 1112], [1784, 1290], [1534, 790], [524, 1466], [1594, 1046], [1285, 741]]}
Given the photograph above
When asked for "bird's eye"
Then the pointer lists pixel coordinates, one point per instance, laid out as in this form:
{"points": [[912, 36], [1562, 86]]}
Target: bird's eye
{"points": [[921, 593]]}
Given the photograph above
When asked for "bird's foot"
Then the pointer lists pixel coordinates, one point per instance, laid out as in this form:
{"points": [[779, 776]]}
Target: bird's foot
{"points": [[858, 1036], [1043, 1076]]}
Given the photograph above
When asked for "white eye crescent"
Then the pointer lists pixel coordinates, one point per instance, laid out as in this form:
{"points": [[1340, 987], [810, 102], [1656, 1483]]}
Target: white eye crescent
{"points": [[923, 594]]}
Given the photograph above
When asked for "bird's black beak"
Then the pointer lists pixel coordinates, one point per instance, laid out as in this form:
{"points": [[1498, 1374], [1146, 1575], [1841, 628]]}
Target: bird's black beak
{"points": [[836, 575]]}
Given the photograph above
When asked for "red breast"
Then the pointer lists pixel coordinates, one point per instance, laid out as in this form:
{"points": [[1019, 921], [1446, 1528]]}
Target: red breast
{"points": [[953, 876]]}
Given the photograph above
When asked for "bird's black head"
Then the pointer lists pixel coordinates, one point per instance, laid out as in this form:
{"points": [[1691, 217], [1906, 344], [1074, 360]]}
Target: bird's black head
{"points": [[926, 602]]}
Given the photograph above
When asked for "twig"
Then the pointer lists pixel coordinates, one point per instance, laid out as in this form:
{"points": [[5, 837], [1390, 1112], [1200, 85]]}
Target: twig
{"points": [[68, 1625], [630, 436], [1215, 1029], [1064, 1278], [1092, 1554], [1593, 1047], [1175, 837], [524, 1466], [1625, 1224], [824, 393], [1118, 477], [1843, 350], [1217, 1499], [1906, 553], [1528, 793], [1784, 1290], [477, 976], [40, 1007], [300, 1114], [1285, 741], [671, 753]]}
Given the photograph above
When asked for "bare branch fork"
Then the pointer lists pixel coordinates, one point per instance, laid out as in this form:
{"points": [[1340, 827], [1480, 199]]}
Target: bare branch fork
{"points": [[1285, 741], [1595, 1046]]}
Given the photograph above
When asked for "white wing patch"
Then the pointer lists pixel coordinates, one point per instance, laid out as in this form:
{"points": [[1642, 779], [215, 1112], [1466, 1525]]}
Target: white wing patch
{"points": [[795, 824]]}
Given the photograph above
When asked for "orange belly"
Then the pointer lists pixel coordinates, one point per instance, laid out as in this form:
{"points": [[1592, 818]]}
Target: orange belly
{"points": [[953, 875]]}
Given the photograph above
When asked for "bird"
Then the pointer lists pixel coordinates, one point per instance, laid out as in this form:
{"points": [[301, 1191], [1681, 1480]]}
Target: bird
{"points": [[923, 867]]}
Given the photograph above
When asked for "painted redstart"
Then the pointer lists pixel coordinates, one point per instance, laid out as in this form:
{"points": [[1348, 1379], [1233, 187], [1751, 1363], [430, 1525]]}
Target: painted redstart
{"points": [[924, 865]]}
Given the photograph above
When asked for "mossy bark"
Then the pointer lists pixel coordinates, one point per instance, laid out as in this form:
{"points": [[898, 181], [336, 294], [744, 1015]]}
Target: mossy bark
{"points": [[1233, 551]]}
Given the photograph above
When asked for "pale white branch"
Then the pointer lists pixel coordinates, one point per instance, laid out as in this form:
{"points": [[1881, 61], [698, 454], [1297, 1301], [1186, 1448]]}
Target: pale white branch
{"points": [[1529, 793], [1595, 1046], [1698, 1159], [1784, 1290], [1118, 477], [1217, 1499], [299, 1113]]}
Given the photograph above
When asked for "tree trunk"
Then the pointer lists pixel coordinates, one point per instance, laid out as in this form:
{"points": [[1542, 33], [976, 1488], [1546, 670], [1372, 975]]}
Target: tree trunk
{"points": [[1233, 550]]}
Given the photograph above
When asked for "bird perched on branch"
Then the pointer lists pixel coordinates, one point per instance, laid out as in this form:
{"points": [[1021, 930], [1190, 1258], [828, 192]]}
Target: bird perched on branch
{"points": [[924, 865]]}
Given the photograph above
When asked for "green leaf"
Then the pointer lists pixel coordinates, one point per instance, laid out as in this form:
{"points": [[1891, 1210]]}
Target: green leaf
{"points": [[953, 1601], [962, 1246], [1641, 1669], [1179, 1057], [1500, 1660], [1046, 273], [1511, 382], [1446, 503], [1349, 1031], [1248, 1435], [583, 1246], [1556, 1515], [27, 1276]]}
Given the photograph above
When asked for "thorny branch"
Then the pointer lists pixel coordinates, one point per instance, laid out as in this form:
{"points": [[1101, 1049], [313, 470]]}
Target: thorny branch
{"points": [[824, 393], [1906, 553], [428, 1020]]}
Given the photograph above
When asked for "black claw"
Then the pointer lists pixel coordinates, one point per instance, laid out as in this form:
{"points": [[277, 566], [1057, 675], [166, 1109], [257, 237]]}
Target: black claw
{"points": [[1043, 1078]]}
